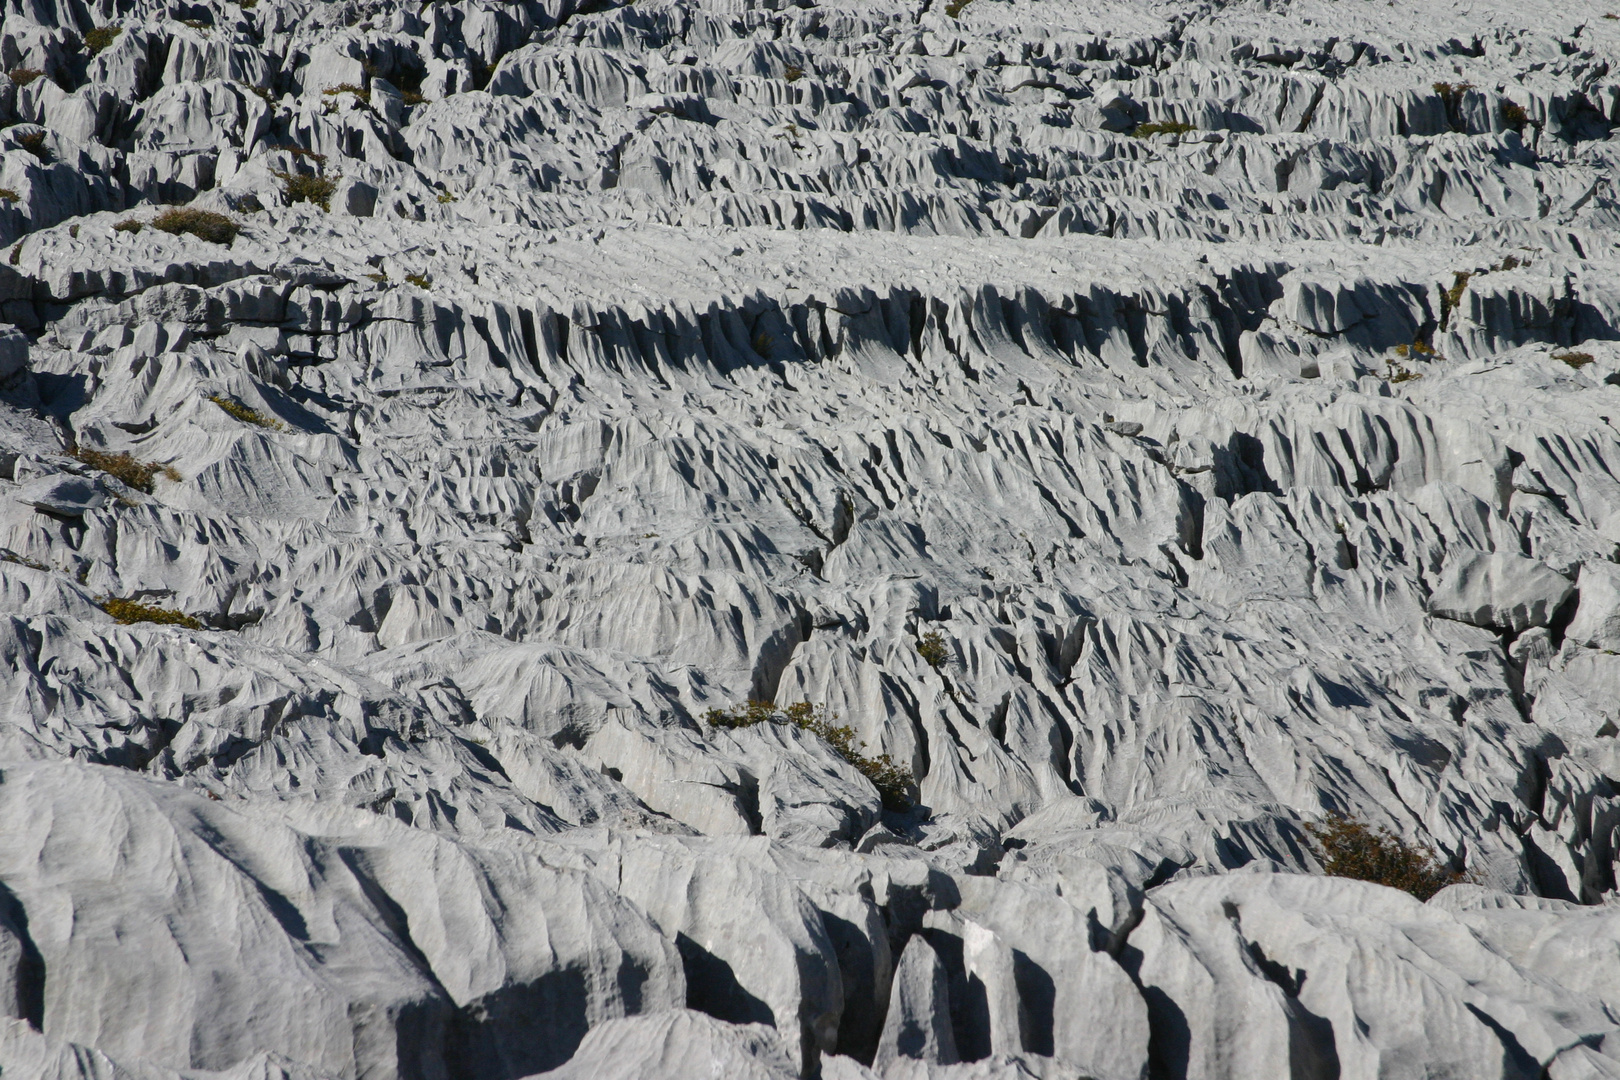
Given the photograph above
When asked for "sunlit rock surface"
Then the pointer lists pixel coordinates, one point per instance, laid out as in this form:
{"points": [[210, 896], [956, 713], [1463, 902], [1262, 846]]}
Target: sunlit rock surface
{"points": [[1229, 390]]}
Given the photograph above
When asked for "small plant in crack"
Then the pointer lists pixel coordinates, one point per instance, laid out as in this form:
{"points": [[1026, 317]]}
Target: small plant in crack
{"points": [[931, 647], [101, 37], [34, 143], [125, 467], [894, 783], [128, 612], [308, 187], [203, 224], [1349, 848], [246, 414]]}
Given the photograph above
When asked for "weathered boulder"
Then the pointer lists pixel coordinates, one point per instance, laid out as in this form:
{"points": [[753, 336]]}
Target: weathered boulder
{"points": [[1500, 590]]}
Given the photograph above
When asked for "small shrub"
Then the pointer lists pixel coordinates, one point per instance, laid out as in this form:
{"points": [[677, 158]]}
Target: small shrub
{"points": [[793, 73], [7, 555], [101, 37], [133, 611], [263, 93], [1399, 373], [755, 712], [349, 88], [34, 143], [1162, 127], [1453, 296], [953, 8], [301, 154], [203, 224], [421, 281], [9, 196], [1349, 848], [1576, 360], [1513, 116], [446, 197], [1511, 262], [247, 415], [932, 649], [894, 783], [23, 76], [307, 187], [412, 97], [381, 279], [247, 5], [125, 467], [129, 225]]}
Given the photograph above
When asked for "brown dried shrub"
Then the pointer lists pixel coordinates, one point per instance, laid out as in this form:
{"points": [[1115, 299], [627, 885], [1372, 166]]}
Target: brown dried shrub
{"points": [[894, 783], [203, 224], [125, 466], [133, 611], [1349, 848]]}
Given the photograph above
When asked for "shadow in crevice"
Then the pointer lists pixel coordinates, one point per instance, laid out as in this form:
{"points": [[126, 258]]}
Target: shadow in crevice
{"points": [[29, 976], [712, 987], [519, 1030]]}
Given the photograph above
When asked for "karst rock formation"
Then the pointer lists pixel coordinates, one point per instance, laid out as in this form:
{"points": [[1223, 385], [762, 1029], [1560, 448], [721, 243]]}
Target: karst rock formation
{"points": [[1109, 441]]}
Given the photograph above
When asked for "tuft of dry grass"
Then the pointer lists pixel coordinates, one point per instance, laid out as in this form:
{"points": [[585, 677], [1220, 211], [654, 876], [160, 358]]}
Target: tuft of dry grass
{"points": [[1349, 848], [34, 143], [246, 414], [1161, 127], [1450, 298], [349, 88], [128, 612], [1576, 360], [129, 225], [421, 281], [7, 555], [203, 224], [305, 187], [894, 783], [101, 37], [125, 467], [23, 76], [9, 195]]}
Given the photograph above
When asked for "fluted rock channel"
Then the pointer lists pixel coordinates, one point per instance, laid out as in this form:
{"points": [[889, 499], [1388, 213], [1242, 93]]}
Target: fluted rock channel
{"points": [[1155, 426]]}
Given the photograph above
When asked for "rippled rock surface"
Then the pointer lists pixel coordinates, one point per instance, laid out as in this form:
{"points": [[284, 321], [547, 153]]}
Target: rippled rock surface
{"points": [[1139, 430]]}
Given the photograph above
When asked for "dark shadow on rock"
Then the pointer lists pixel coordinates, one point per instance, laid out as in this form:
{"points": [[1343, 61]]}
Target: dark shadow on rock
{"points": [[519, 1030], [1169, 1037], [1038, 995], [712, 987], [29, 974]]}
